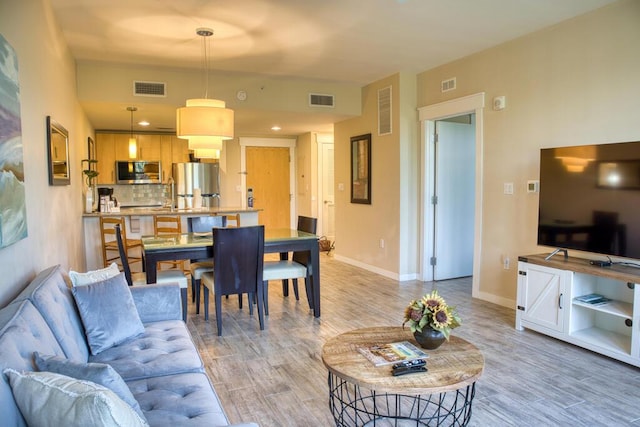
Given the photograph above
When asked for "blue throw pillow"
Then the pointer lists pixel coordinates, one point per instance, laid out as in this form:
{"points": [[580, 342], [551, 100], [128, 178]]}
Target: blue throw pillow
{"points": [[108, 313], [99, 373]]}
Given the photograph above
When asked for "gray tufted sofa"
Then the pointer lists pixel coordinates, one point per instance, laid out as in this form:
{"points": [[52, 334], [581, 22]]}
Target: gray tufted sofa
{"points": [[161, 367]]}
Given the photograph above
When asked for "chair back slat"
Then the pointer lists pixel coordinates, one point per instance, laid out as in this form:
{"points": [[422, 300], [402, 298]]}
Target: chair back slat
{"points": [[238, 254], [308, 225]]}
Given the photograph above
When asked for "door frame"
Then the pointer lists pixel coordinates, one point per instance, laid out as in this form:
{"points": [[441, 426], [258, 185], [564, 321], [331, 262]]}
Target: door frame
{"points": [[428, 116], [321, 140], [270, 142]]}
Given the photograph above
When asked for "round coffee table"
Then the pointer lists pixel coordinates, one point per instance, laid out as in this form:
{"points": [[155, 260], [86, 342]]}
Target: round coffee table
{"points": [[361, 393]]}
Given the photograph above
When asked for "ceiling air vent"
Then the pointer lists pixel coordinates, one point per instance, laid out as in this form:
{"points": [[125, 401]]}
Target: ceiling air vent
{"points": [[319, 100], [149, 89], [447, 85], [384, 111]]}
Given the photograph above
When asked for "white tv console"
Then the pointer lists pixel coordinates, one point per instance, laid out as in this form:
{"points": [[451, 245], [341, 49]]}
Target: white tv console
{"points": [[546, 303]]}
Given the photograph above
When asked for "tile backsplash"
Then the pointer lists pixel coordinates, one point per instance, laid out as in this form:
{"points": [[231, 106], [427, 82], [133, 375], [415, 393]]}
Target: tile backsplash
{"points": [[140, 194]]}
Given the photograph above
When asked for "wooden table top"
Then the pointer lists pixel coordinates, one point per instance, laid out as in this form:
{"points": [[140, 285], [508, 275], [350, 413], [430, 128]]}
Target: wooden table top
{"points": [[455, 364]]}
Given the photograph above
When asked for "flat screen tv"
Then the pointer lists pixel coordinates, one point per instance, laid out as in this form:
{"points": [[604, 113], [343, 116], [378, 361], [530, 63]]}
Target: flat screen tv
{"points": [[590, 198]]}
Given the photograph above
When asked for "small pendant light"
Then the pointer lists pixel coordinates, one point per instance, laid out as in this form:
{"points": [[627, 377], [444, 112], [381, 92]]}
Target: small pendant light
{"points": [[133, 144]]}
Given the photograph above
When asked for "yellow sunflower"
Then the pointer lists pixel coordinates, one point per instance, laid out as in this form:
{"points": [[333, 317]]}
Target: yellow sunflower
{"points": [[433, 301]]}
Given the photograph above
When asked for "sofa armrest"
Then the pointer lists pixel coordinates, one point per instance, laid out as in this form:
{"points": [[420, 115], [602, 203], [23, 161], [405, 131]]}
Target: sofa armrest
{"points": [[157, 302]]}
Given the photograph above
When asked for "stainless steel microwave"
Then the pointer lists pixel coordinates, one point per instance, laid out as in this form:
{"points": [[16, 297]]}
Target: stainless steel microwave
{"points": [[138, 172]]}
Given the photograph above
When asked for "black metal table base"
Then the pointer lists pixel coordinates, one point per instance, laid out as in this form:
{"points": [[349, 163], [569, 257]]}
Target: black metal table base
{"points": [[355, 406]]}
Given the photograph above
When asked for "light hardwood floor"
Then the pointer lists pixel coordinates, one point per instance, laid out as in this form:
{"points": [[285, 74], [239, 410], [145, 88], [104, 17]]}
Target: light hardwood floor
{"points": [[276, 377]]}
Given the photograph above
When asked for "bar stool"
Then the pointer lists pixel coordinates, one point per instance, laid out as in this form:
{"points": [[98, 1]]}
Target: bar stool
{"points": [[167, 224], [110, 245], [234, 218]]}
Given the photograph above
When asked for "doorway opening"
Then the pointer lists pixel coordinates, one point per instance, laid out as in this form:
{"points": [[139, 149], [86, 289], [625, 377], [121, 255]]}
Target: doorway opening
{"points": [[471, 106]]}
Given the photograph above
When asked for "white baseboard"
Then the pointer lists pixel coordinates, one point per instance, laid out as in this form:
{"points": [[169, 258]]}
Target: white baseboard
{"points": [[505, 302], [373, 269]]}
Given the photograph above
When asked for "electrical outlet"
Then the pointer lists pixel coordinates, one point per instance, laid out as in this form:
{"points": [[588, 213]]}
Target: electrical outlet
{"points": [[506, 262]]}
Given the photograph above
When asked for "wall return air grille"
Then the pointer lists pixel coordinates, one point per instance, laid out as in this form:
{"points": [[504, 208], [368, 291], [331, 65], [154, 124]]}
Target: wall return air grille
{"points": [[384, 111], [149, 89], [320, 100], [447, 85]]}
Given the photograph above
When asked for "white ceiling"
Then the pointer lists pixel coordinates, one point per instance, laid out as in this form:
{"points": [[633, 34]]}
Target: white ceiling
{"points": [[351, 41]]}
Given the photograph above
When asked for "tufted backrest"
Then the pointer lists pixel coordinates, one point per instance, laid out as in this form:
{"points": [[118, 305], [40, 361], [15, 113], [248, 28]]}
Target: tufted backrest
{"points": [[22, 331], [49, 292]]}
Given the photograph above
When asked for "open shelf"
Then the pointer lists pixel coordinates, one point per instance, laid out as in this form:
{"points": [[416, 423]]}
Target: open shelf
{"points": [[605, 339], [615, 308]]}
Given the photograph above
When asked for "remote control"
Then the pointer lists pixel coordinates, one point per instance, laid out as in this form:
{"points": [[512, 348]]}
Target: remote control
{"points": [[410, 363], [404, 370]]}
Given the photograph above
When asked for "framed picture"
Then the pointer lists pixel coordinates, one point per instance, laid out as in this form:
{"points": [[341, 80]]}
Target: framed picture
{"points": [[361, 169]]}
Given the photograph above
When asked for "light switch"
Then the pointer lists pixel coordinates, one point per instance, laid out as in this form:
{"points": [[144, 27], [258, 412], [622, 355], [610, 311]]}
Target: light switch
{"points": [[508, 188], [340, 186]]}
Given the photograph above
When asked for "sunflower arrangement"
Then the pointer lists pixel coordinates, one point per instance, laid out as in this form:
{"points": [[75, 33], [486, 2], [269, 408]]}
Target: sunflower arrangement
{"points": [[431, 310]]}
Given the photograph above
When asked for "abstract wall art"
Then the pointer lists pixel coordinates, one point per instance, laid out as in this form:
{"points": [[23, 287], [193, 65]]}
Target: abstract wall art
{"points": [[13, 210]]}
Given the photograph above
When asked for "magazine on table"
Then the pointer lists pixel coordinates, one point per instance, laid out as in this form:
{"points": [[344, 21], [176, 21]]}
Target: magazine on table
{"points": [[387, 354]]}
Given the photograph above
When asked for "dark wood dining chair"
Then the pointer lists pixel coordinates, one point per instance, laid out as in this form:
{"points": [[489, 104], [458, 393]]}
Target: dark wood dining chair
{"points": [[238, 256], [298, 267], [201, 224], [140, 279]]}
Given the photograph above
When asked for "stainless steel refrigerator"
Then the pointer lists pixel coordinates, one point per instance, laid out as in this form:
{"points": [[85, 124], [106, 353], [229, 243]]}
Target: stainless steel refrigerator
{"points": [[194, 182]]}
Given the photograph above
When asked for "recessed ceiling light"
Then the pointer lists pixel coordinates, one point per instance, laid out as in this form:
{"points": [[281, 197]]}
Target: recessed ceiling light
{"points": [[144, 123], [276, 128]]}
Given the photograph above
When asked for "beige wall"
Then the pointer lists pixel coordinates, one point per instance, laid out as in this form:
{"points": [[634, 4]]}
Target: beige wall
{"points": [[574, 83], [48, 87], [360, 227], [304, 178], [393, 213]]}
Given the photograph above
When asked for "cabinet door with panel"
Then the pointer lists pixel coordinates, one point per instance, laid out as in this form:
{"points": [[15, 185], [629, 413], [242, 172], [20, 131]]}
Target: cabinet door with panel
{"points": [[180, 150], [149, 147], [542, 297], [105, 154]]}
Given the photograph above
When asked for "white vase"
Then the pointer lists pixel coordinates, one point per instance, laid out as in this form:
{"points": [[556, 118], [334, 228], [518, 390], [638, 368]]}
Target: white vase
{"points": [[88, 200]]}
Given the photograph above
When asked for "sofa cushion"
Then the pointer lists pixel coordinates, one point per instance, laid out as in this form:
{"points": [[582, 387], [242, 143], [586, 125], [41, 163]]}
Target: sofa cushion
{"points": [[108, 313], [165, 348], [48, 399], [81, 279], [98, 373], [22, 331], [183, 399], [50, 294]]}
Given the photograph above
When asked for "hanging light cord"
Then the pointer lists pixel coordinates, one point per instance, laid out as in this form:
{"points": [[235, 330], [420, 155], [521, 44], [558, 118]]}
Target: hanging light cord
{"points": [[206, 33]]}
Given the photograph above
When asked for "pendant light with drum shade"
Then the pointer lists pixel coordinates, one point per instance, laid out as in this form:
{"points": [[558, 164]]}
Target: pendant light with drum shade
{"points": [[205, 122], [133, 144]]}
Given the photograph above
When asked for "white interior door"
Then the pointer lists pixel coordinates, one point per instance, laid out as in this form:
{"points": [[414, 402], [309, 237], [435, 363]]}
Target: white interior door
{"points": [[328, 196], [454, 199]]}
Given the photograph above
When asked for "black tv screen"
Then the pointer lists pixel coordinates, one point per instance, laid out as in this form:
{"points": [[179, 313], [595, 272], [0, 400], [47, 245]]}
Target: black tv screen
{"points": [[590, 198]]}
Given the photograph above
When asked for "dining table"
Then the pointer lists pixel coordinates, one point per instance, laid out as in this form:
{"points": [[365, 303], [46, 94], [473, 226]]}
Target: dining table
{"points": [[200, 246]]}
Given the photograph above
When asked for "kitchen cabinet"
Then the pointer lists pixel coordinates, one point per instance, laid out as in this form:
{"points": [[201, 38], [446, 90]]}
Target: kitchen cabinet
{"points": [[110, 147], [551, 300]]}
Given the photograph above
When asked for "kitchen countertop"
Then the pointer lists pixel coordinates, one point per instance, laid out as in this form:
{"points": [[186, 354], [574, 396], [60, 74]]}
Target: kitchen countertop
{"points": [[157, 210]]}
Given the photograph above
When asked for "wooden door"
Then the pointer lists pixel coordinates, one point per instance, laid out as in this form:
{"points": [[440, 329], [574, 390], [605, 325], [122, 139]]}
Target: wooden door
{"points": [[268, 176]]}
